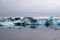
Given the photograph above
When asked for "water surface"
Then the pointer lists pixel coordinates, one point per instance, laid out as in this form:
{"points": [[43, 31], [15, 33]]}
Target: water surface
{"points": [[30, 32]]}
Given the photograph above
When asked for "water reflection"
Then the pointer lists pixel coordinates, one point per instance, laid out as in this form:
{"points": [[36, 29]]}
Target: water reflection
{"points": [[33, 26], [55, 27]]}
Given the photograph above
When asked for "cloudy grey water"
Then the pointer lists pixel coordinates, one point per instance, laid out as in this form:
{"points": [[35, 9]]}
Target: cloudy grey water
{"points": [[29, 33]]}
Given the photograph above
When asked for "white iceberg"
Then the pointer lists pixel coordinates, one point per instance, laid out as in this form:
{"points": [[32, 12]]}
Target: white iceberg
{"points": [[7, 23], [41, 21]]}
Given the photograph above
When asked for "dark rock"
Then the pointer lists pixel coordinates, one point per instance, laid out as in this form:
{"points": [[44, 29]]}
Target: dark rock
{"points": [[10, 19], [33, 20], [1, 25], [47, 23], [23, 24], [17, 24], [20, 24], [17, 18]]}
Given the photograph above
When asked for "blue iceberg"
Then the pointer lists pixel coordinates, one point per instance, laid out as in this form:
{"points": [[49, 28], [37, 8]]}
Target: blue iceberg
{"points": [[29, 21]]}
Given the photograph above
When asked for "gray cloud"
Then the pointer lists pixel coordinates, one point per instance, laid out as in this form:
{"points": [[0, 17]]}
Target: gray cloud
{"points": [[30, 7]]}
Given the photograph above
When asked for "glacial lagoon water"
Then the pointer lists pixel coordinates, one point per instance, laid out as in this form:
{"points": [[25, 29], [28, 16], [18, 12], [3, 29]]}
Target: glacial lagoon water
{"points": [[52, 27], [30, 32]]}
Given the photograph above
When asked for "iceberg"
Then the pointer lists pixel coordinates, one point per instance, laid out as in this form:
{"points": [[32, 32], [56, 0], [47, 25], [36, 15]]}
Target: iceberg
{"points": [[41, 22], [7, 23], [54, 21], [29, 21]]}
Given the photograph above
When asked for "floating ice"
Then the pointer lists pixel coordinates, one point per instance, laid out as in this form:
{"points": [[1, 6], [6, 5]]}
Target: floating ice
{"points": [[41, 21], [30, 21]]}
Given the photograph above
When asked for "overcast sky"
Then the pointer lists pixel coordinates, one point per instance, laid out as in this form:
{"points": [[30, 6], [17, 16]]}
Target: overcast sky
{"points": [[29, 7]]}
